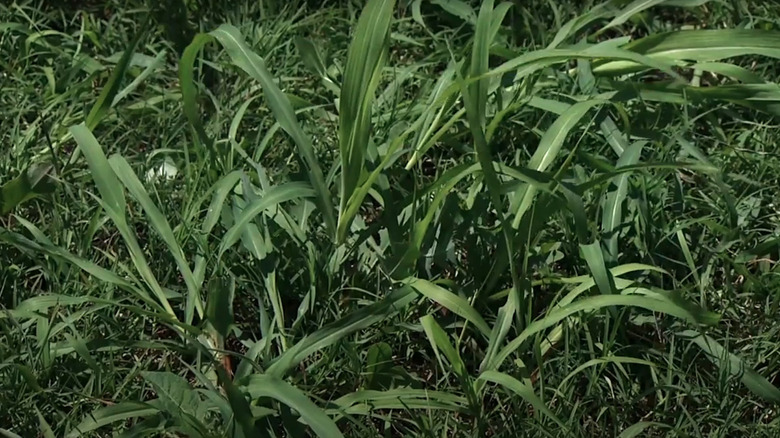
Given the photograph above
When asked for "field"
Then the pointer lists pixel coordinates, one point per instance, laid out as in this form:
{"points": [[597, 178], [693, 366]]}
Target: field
{"points": [[390, 218]]}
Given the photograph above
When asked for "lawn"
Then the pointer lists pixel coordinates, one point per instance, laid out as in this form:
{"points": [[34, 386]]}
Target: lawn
{"points": [[389, 218]]}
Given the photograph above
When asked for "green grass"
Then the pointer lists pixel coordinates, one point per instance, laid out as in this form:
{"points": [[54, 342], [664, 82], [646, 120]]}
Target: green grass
{"points": [[433, 219]]}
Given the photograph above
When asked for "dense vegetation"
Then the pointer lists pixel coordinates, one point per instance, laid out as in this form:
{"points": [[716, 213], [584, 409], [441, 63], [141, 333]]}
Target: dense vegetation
{"points": [[389, 218]]}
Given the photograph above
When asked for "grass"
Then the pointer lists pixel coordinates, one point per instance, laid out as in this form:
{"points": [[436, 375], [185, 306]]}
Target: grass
{"points": [[400, 219]]}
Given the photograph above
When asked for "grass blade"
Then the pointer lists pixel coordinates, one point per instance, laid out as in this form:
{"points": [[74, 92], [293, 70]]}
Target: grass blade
{"points": [[611, 216], [189, 92], [111, 88], [106, 181], [327, 335], [548, 149], [735, 366], [160, 224], [271, 198], [365, 59], [262, 385], [447, 299], [110, 414], [524, 391], [695, 45], [599, 302]]}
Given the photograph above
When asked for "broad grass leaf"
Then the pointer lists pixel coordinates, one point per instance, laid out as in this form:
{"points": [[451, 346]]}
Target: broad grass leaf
{"points": [[612, 210], [310, 56], [111, 414], [440, 342], [695, 45], [113, 202], [629, 11], [189, 92], [262, 385], [179, 399], [33, 181], [157, 62], [594, 258], [45, 428], [549, 146], [242, 412], [366, 401], [734, 365], [219, 307], [429, 128], [379, 360], [365, 59], [603, 361], [111, 88], [458, 8]]}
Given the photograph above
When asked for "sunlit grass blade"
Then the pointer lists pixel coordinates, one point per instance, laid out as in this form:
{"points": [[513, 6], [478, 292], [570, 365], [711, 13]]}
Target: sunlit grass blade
{"points": [[365, 59], [106, 181], [262, 385], [113, 201], [594, 258]]}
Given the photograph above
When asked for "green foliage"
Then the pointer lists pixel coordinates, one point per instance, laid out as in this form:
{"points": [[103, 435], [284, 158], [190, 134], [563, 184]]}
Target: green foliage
{"points": [[523, 218]]}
